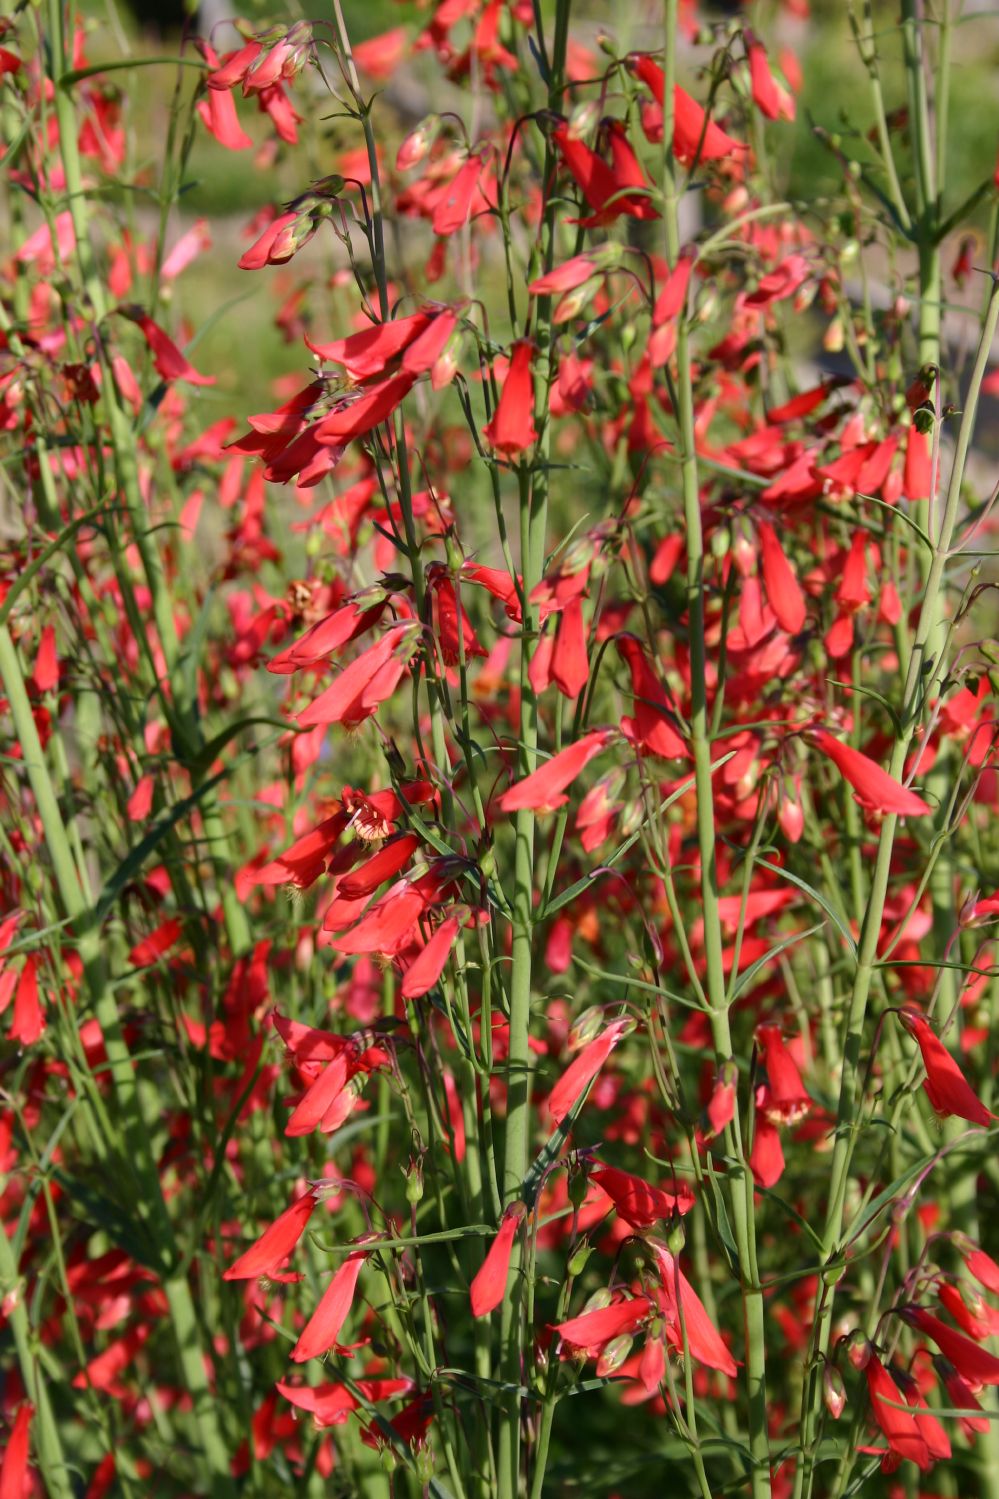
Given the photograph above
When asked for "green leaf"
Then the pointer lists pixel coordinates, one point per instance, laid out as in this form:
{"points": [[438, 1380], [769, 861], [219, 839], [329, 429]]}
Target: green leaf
{"points": [[813, 894], [123, 1226], [122, 64], [210, 752], [550, 1152], [35, 566], [136, 857], [747, 978], [878, 698]]}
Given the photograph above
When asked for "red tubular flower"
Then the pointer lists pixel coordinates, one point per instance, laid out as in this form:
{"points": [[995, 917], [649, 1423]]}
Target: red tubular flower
{"points": [[386, 926], [875, 788], [279, 242], [322, 1330], [454, 207], [689, 120], [382, 866], [918, 471], [275, 1244], [591, 1330], [703, 1338], [366, 682], [937, 1441], [381, 55], [982, 1266], [423, 973], [234, 66], [766, 1158], [946, 1086], [367, 354], [218, 115], [669, 308], [570, 667], [104, 1371], [427, 349], [583, 1069], [783, 589], [410, 1424], [770, 99], [596, 180], [169, 361], [359, 414], [331, 1404], [654, 719], [572, 273], [152, 948], [542, 790], [320, 1097], [961, 1396], [14, 1471], [489, 1286], [786, 1101], [905, 1440], [638, 1202], [512, 427], [975, 1364], [28, 1022]]}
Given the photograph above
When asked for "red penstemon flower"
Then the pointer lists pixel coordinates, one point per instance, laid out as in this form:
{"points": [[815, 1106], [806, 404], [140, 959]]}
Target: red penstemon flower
{"points": [[874, 787], [276, 1243], [946, 1086], [511, 429], [322, 1331]]}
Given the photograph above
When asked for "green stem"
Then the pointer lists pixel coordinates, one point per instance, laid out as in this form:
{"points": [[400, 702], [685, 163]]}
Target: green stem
{"points": [[926, 672], [740, 1181], [136, 1155]]}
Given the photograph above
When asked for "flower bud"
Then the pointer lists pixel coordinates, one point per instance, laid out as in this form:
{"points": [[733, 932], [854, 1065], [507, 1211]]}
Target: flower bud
{"points": [[417, 143], [858, 1350], [578, 1185], [614, 1354], [414, 1183], [579, 1257], [598, 1301], [587, 1028], [833, 1391], [424, 1463]]}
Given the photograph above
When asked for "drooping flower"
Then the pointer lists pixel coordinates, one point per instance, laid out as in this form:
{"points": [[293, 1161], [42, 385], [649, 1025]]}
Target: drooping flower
{"points": [[977, 1365], [168, 360], [512, 429], [899, 1426], [703, 1338], [423, 973], [591, 1330], [783, 589], [946, 1086], [770, 98], [489, 1285], [543, 789], [637, 1201], [276, 1243], [875, 788], [14, 1469], [583, 1069], [322, 1330]]}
